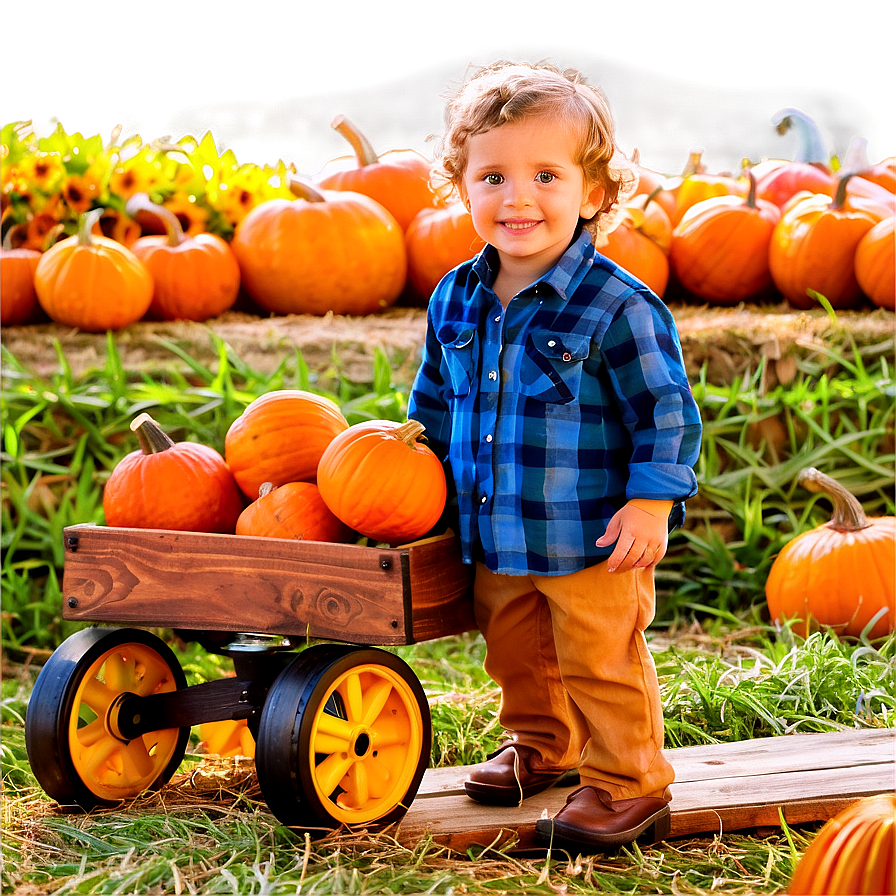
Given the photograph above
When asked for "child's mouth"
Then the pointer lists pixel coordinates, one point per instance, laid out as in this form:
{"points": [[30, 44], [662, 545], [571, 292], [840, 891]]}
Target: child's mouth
{"points": [[519, 225]]}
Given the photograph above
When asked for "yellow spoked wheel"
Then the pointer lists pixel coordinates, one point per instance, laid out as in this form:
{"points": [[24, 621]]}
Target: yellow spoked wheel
{"points": [[75, 748], [344, 738]]}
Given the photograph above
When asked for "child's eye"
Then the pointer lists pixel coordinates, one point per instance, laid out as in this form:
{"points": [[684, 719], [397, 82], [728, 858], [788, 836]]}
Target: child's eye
{"points": [[494, 179], [544, 177]]}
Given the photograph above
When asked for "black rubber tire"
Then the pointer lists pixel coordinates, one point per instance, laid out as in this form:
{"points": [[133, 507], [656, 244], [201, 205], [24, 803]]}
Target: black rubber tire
{"points": [[387, 733], [59, 711]]}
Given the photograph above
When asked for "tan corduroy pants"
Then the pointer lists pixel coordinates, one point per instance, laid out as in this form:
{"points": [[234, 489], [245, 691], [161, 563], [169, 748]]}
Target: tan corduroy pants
{"points": [[578, 683]]}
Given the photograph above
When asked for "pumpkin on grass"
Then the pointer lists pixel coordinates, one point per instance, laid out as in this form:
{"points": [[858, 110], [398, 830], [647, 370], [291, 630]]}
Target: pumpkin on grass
{"points": [[381, 481], [280, 438], [194, 277], [92, 282], [842, 574], [293, 510], [184, 486], [398, 180], [852, 853], [326, 251]]}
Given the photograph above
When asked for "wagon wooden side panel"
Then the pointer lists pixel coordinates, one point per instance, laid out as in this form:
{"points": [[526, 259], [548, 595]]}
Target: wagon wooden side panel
{"points": [[201, 581]]}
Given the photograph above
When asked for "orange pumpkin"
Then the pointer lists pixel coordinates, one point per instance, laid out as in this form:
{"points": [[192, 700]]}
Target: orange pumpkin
{"points": [[18, 300], [166, 485], [280, 438], [336, 251], [653, 184], [720, 247], [876, 263], [292, 510], [853, 852], [92, 282], [635, 251], [194, 277], [398, 180], [695, 185], [438, 240], [882, 173], [813, 247], [382, 482], [842, 574]]}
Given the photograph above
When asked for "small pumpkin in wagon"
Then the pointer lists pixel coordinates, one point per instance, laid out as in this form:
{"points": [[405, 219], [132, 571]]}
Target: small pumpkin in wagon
{"points": [[184, 486], [841, 574], [280, 438], [381, 481], [292, 510]]}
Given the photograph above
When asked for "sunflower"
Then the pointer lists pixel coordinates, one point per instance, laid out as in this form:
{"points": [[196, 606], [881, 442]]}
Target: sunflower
{"points": [[80, 191], [192, 216], [42, 171]]}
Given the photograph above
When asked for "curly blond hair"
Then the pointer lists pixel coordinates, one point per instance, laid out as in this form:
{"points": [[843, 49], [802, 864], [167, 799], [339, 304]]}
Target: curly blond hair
{"points": [[506, 92]]}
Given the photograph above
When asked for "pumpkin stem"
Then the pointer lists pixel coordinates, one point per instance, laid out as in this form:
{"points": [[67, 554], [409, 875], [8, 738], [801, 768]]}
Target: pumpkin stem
{"points": [[810, 144], [856, 158], [751, 195], [140, 202], [304, 190], [840, 195], [409, 432], [848, 514], [360, 144], [265, 489], [86, 223], [150, 436], [694, 164]]}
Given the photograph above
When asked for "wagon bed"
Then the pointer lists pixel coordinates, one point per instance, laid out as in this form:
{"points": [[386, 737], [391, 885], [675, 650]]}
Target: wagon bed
{"points": [[232, 583]]}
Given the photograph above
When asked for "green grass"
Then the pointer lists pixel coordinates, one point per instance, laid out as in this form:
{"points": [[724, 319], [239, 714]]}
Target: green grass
{"points": [[731, 684], [726, 674]]}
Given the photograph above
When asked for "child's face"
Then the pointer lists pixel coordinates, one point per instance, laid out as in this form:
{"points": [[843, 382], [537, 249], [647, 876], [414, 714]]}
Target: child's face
{"points": [[526, 192]]}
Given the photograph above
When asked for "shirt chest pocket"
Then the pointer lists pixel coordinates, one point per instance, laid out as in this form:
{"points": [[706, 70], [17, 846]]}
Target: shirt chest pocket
{"points": [[460, 350], [551, 366]]}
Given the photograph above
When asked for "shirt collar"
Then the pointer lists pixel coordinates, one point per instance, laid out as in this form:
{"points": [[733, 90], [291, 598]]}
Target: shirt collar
{"points": [[563, 278]]}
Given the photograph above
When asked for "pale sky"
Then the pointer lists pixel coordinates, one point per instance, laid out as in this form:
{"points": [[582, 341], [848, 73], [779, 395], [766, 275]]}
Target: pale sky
{"points": [[92, 66]]}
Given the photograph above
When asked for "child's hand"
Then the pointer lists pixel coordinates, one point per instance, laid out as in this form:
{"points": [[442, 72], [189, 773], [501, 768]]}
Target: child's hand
{"points": [[641, 539]]}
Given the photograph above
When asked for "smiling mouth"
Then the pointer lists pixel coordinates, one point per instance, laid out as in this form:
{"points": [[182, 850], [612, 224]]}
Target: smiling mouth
{"points": [[520, 225]]}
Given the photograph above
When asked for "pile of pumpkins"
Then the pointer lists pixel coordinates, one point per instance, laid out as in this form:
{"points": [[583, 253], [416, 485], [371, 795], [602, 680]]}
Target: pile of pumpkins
{"points": [[292, 468], [361, 233], [367, 230]]}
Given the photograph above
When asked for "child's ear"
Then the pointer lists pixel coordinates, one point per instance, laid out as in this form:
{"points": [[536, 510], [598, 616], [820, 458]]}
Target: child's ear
{"points": [[592, 203]]}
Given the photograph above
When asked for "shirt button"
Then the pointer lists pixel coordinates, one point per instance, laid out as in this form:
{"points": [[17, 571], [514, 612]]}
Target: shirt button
{"points": [[551, 343], [488, 438], [493, 374], [483, 499], [498, 319]]}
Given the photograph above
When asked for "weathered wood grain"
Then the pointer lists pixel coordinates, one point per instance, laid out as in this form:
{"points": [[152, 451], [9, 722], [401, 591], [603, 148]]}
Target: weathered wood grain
{"points": [[201, 581], [718, 788]]}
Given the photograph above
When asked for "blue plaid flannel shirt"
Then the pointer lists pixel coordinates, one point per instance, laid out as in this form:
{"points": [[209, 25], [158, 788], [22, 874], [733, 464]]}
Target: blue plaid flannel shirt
{"points": [[555, 411]]}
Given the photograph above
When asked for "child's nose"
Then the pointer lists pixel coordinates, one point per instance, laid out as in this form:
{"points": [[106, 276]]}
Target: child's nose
{"points": [[519, 195]]}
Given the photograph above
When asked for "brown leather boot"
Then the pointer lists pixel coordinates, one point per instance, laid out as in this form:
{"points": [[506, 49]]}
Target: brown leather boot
{"points": [[591, 818], [505, 779]]}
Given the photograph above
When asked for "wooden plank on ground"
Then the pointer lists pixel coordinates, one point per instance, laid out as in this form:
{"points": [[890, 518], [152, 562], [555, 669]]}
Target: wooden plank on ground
{"points": [[718, 788]]}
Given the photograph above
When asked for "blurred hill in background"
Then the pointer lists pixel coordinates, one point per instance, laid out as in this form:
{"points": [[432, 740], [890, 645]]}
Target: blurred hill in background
{"points": [[661, 117]]}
